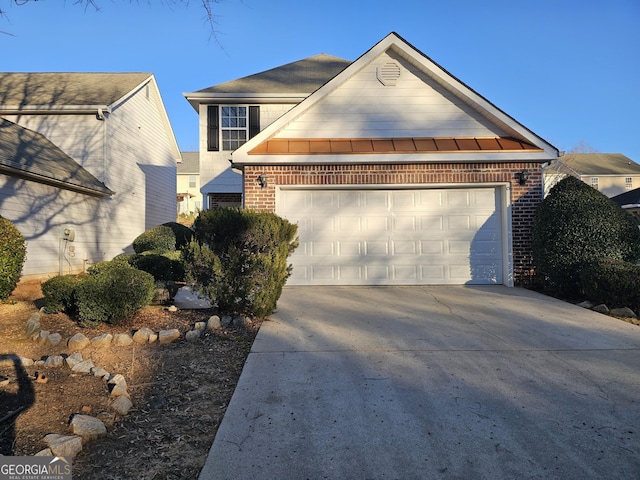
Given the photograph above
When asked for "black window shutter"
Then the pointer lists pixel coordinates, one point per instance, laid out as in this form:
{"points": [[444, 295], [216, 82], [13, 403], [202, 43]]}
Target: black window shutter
{"points": [[213, 135], [254, 120]]}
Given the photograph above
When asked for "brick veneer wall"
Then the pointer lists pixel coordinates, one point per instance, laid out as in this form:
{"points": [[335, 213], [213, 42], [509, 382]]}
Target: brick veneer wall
{"points": [[524, 199]]}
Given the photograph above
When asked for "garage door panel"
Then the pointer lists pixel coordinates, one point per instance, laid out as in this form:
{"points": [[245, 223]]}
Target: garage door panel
{"points": [[405, 237]]}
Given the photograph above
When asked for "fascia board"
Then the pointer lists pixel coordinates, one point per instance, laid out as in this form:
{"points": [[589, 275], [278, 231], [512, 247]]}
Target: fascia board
{"points": [[372, 159]]}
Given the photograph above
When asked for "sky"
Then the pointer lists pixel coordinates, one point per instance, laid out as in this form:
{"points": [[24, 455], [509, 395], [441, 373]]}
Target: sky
{"points": [[569, 70]]}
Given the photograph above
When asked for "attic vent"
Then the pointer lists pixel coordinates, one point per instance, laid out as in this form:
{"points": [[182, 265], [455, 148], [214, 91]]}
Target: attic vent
{"points": [[389, 73]]}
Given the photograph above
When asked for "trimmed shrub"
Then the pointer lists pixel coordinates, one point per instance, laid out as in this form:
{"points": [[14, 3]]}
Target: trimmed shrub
{"points": [[13, 250], [60, 294], [576, 226], [612, 282], [239, 259], [168, 236], [114, 292], [163, 265]]}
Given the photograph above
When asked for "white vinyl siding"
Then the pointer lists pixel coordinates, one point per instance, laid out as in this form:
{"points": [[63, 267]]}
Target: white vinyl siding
{"points": [[395, 237], [416, 106]]}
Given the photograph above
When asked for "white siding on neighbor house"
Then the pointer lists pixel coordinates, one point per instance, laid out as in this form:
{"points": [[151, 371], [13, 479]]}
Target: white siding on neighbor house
{"points": [[416, 106], [41, 213], [131, 152], [216, 174], [191, 204], [612, 185]]}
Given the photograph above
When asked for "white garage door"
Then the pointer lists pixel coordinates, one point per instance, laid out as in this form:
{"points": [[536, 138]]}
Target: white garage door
{"points": [[395, 237]]}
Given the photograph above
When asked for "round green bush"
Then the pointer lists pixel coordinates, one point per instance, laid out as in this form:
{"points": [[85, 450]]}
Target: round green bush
{"points": [[60, 293], [113, 293], [168, 236], [576, 226], [13, 250], [163, 265]]}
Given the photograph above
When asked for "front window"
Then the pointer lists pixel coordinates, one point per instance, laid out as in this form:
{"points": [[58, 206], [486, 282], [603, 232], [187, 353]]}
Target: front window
{"points": [[234, 127], [628, 183], [594, 182]]}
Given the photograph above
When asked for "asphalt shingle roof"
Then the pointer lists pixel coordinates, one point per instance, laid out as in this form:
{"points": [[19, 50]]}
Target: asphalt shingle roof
{"points": [[303, 76], [32, 154], [597, 164], [20, 89], [190, 163]]}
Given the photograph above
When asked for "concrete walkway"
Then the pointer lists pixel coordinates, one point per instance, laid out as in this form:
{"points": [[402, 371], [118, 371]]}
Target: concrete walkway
{"points": [[433, 383]]}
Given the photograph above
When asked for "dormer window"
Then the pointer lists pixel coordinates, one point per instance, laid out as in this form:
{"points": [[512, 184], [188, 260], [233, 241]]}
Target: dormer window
{"points": [[231, 126]]}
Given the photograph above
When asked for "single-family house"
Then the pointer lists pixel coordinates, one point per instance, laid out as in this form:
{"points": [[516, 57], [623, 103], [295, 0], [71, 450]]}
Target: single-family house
{"points": [[188, 184], [610, 173], [87, 163], [395, 171]]}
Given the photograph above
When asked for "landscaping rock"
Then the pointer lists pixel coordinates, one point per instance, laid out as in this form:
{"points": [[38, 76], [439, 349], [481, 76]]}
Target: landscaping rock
{"points": [[54, 339], [74, 359], [226, 320], [42, 337], [44, 453], [54, 361], [117, 391], [87, 427], [214, 323], [122, 340], [78, 342], [121, 405], [172, 308], [623, 312], [586, 304], [200, 325], [118, 379], [33, 325], [10, 360], [102, 341], [192, 335], [240, 321], [143, 335], [153, 337], [602, 308], [168, 336], [64, 445], [99, 372], [83, 367]]}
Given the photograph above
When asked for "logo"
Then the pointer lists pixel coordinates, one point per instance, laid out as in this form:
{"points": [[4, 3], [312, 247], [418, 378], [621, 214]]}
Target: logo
{"points": [[35, 468]]}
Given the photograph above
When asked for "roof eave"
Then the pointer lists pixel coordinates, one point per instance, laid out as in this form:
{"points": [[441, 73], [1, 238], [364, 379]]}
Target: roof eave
{"points": [[197, 98], [96, 192], [53, 109]]}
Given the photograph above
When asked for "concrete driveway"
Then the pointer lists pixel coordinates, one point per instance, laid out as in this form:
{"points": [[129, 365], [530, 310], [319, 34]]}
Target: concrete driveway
{"points": [[433, 382]]}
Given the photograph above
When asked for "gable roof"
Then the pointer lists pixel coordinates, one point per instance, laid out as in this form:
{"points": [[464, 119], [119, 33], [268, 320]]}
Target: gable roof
{"points": [[296, 79], [28, 154], [595, 164], [190, 163], [22, 90], [525, 144]]}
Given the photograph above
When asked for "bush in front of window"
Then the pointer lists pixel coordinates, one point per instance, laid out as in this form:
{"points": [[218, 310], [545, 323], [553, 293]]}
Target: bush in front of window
{"points": [[575, 227]]}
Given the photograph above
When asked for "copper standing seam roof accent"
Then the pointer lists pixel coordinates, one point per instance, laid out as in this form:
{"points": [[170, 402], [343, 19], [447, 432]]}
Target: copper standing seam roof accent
{"points": [[323, 146]]}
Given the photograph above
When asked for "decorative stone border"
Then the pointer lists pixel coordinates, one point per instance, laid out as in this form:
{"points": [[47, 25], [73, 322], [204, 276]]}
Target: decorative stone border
{"points": [[86, 427]]}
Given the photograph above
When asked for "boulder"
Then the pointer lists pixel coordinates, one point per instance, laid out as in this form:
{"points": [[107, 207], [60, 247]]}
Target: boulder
{"points": [[226, 320], [623, 312], [54, 361], [122, 340], [33, 325], [42, 337], [74, 359], [64, 445], [214, 323], [200, 325], [601, 308], [78, 342], [121, 405], [102, 341], [168, 336], [143, 335], [54, 339], [192, 335], [83, 367], [99, 372], [87, 427], [118, 379]]}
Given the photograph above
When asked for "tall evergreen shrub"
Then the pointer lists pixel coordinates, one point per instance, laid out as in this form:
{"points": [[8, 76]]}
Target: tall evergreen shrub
{"points": [[576, 226], [239, 259]]}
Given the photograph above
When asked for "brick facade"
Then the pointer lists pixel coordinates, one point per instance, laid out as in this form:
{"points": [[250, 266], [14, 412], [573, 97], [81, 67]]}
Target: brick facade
{"points": [[524, 199]]}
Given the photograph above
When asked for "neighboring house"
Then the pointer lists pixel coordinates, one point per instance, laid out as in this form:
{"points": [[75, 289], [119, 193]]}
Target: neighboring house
{"points": [[630, 201], [395, 172], [188, 184], [610, 173], [87, 163]]}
